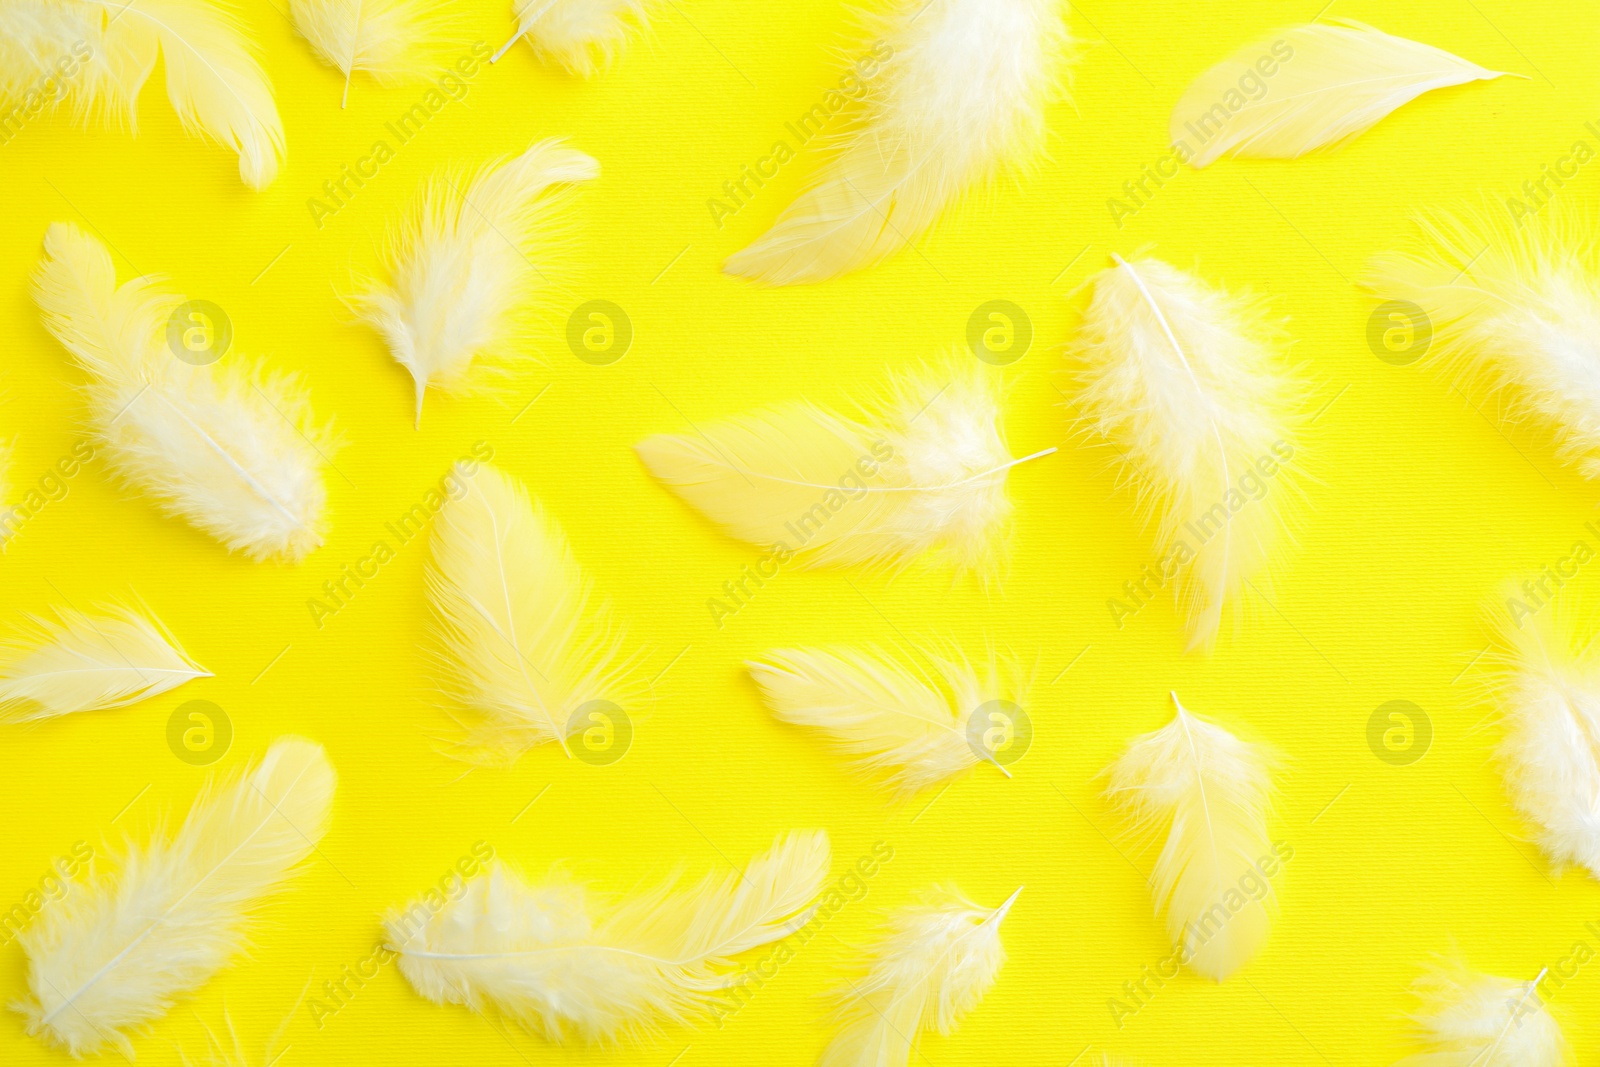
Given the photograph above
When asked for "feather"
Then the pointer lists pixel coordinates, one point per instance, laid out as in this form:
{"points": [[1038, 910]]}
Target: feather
{"points": [[920, 470], [936, 960], [229, 449], [89, 663], [521, 644], [1210, 792], [465, 263], [904, 728], [1332, 81], [1514, 305], [541, 955], [1478, 1020], [114, 954], [962, 95], [580, 36], [392, 40], [213, 81], [1183, 380]]}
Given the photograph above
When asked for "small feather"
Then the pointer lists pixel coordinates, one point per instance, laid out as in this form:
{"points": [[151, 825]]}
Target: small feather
{"points": [[1333, 80], [394, 41], [580, 36], [1478, 1020], [545, 957], [83, 662]]}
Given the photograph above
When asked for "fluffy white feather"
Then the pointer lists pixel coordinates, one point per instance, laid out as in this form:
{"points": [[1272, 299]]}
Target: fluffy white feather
{"points": [[581, 36], [1479, 1020], [1184, 380], [229, 449], [1331, 81], [961, 95], [1208, 794], [1514, 306], [213, 80], [392, 40], [116, 953], [920, 470], [522, 644], [544, 956], [903, 727], [468, 262], [81, 662], [934, 964]]}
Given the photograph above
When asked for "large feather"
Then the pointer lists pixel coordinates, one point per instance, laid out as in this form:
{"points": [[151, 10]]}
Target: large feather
{"points": [[581, 36], [920, 470], [962, 95], [902, 727], [83, 662], [114, 954], [541, 955], [1208, 793], [1329, 82], [214, 82], [1479, 1020], [468, 262], [936, 961], [1513, 306], [392, 40], [521, 643], [228, 448], [1184, 380]]}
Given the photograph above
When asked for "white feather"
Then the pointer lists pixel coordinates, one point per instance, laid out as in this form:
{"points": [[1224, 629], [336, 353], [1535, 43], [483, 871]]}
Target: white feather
{"points": [[392, 40], [920, 470], [545, 957], [962, 96], [114, 954], [229, 449], [1513, 306], [1207, 793], [1478, 1020], [213, 81], [1340, 79], [83, 662], [905, 728], [522, 645], [468, 263], [934, 964], [580, 36], [1185, 381]]}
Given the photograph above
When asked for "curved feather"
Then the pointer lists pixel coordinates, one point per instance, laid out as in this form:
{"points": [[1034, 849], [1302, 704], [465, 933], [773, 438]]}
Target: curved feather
{"points": [[467, 263], [521, 644], [580, 36], [934, 964], [921, 470], [1209, 793], [83, 662], [1185, 382], [1339, 79], [229, 449], [114, 954], [1479, 1020], [392, 40], [540, 955], [904, 728], [962, 96]]}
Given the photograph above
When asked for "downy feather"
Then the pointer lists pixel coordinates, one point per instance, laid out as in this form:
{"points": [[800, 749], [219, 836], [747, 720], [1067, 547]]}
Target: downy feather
{"points": [[1340, 78], [580, 36], [1513, 305], [81, 662], [467, 265], [544, 956], [920, 470], [215, 85], [115, 953], [523, 646], [1479, 1020], [1208, 793], [228, 448], [961, 95], [1184, 381], [394, 41], [934, 964], [902, 727]]}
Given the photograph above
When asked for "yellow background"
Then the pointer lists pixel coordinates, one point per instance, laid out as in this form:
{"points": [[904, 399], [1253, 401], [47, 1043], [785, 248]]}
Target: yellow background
{"points": [[1422, 506]]}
